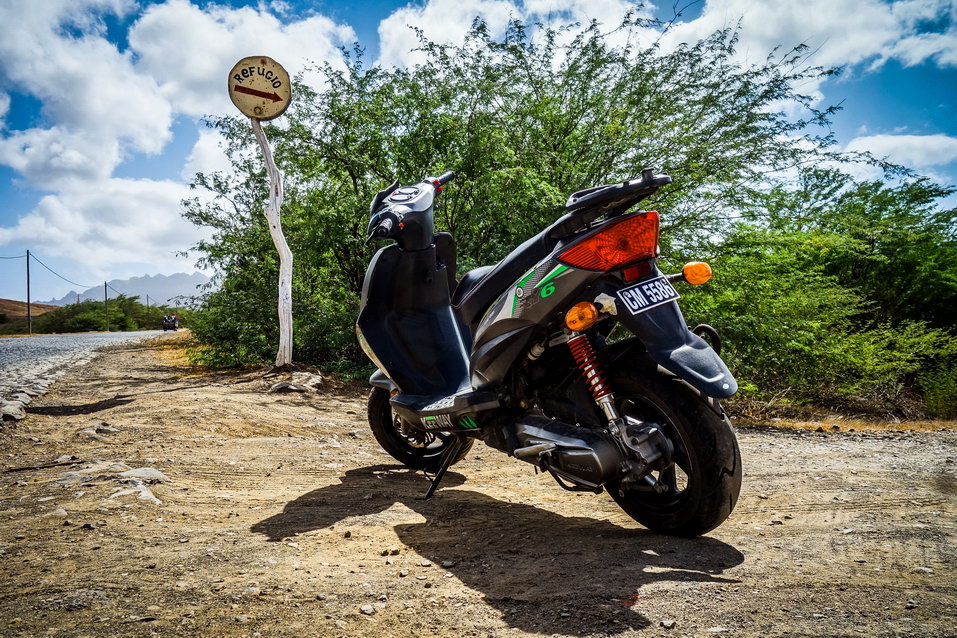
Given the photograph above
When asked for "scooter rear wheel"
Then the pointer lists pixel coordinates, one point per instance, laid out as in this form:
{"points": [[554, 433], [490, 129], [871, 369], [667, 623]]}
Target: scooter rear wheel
{"points": [[705, 478], [414, 448]]}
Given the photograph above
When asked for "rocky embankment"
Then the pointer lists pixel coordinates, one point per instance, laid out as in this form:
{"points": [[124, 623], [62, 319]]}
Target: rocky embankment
{"points": [[28, 365]]}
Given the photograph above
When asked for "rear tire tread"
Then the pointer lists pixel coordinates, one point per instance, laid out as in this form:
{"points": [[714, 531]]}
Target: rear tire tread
{"points": [[713, 450]]}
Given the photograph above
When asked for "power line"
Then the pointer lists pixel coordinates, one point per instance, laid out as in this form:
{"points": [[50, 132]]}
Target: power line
{"points": [[32, 256]]}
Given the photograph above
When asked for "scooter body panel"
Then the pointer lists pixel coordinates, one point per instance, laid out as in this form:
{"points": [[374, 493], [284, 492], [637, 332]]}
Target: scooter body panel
{"points": [[519, 315], [406, 324]]}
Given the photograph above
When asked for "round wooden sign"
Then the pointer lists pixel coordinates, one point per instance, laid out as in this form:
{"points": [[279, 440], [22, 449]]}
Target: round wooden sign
{"points": [[260, 87]]}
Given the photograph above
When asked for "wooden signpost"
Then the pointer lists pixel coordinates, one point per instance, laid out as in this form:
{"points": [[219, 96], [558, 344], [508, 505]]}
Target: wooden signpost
{"points": [[260, 89]]}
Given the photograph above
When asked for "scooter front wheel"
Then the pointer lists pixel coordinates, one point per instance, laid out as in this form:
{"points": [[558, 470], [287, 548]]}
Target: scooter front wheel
{"points": [[407, 445]]}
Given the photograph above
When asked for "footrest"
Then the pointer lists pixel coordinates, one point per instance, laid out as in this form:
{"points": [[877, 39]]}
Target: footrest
{"points": [[437, 412]]}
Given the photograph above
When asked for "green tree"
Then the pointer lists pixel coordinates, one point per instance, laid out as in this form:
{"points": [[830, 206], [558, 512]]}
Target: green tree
{"points": [[790, 326], [836, 287], [524, 122], [893, 243]]}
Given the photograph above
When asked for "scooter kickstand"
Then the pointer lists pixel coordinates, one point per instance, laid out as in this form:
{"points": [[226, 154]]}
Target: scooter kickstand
{"points": [[450, 453]]}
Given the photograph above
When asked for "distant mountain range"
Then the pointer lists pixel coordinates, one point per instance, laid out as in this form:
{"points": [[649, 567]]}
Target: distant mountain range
{"points": [[162, 289]]}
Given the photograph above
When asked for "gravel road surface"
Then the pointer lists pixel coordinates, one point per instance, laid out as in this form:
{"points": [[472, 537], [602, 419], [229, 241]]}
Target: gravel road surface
{"points": [[25, 361]]}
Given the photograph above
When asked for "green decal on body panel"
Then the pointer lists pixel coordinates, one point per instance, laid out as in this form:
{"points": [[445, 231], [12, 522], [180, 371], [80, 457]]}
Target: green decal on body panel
{"points": [[546, 284], [556, 271], [528, 275]]}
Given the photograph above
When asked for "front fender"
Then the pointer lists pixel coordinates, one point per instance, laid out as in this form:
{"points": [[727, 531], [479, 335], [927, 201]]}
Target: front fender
{"points": [[663, 332], [379, 380]]}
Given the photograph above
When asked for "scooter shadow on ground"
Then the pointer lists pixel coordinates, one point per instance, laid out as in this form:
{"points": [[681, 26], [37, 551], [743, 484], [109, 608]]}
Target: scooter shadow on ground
{"points": [[543, 571]]}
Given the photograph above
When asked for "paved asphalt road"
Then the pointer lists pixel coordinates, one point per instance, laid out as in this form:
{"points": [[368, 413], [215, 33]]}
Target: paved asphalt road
{"points": [[26, 360]]}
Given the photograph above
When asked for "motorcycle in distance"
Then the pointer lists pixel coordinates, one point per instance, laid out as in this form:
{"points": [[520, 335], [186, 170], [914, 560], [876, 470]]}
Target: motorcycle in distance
{"points": [[517, 355]]}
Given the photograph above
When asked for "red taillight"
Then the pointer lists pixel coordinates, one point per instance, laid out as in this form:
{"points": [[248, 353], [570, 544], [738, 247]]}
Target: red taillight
{"points": [[639, 270], [615, 244]]}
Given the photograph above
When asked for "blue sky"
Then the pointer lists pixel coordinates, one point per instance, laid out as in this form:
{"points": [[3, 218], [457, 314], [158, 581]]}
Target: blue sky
{"points": [[101, 100]]}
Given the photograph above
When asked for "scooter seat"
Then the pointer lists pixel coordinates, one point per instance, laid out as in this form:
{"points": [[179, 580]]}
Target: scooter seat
{"points": [[441, 412]]}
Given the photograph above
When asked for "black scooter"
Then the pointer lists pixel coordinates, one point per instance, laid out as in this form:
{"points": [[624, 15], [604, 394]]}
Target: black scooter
{"points": [[518, 356]]}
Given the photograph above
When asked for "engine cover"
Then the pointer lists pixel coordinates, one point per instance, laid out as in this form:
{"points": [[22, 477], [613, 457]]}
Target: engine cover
{"points": [[584, 457]]}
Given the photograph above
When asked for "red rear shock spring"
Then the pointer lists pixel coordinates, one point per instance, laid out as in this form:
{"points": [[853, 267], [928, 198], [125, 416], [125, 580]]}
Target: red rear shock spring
{"points": [[588, 363]]}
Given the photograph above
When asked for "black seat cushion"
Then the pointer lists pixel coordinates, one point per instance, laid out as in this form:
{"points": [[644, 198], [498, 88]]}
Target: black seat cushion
{"points": [[468, 282]]}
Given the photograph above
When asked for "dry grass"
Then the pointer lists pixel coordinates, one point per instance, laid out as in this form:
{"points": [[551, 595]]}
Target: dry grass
{"points": [[18, 309], [172, 349]]}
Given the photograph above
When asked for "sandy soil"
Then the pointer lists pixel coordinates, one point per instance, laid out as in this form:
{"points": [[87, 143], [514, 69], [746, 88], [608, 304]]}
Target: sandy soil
{"points": [[281, 517]]}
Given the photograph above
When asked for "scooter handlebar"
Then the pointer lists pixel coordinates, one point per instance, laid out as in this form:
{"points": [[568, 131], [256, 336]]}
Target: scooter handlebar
{"points": [[382, 230], [444, 178]]}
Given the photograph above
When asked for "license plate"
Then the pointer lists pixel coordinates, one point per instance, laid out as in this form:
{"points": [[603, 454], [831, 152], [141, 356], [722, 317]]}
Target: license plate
{"points": [[646, 295]]}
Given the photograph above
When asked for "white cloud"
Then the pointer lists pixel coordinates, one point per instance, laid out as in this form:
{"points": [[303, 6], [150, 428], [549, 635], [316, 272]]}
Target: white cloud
{"points": [[848, 32], [940, 47], [444, 21], [90, 91], [447, 21], [608, 12], [4, 108], [101, 105], [188, 51], [914, 151], [102, 225], [844, 32], [207, 155], [53, 157]]}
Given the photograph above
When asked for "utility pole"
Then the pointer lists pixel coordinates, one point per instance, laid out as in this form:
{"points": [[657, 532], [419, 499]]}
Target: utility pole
{"points": [[29, 312], [106, 304]]}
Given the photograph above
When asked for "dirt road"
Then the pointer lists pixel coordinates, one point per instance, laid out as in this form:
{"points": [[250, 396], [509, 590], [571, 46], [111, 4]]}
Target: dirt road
{"points": [[277, 515]]}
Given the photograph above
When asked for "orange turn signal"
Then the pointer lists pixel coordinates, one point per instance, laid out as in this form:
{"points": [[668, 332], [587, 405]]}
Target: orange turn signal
{"points": [[582, 316], [696, 272]]}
